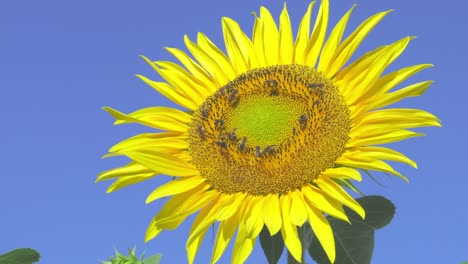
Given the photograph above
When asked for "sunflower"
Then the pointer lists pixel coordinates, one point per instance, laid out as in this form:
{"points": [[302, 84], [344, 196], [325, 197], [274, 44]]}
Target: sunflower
{"points": [[272, 132]]}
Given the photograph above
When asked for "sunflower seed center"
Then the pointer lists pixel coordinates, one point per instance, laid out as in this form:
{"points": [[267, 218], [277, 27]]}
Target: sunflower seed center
{"points": [[270, 130]]}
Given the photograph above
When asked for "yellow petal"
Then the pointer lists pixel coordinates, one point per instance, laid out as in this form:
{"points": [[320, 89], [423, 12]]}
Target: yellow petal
{"points": [[169, 92], [396, 116], [257, 40], [271, 213], [289, 230], [124, 182], [334, 190], [298, 212], [303, 37], [192, 66], [207, 62], [130, 170], [332, 43], [271, 37], [343, 173], [352, 160], [206, 44], [225, 233], [318, 35], [230, 206], [180, 83], [153, 119], [285, 38], [367, 76], [193, 247], [242, 249], [173, 205], [378, 137], [391, 80], [175, 187], [188, 207], [238, 46], [250, 226], [162, 162], [253, 219], [375, 130], [323, 231], [390, 98], [378, 57], [200, 225], [385, 154], [319, 199], [150, 114], [205, 218], [351, 43], [154, 141], [203, 89]]}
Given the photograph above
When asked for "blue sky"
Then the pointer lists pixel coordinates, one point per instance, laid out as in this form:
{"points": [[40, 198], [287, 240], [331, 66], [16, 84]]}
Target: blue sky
{"points": [[61, 61]]}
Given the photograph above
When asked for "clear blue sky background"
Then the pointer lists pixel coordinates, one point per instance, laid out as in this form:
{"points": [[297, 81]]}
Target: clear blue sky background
{"points": [[61, 61]]}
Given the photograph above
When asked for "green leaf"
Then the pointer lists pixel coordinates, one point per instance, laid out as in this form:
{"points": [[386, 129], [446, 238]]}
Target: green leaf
{"points": [[155, 259], [379, 210], [355, 243], [20, 256], [272, 246]]}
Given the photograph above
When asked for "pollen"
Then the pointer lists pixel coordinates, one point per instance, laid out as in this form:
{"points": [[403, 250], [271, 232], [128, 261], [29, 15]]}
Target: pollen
{"points": [[270, 130]]}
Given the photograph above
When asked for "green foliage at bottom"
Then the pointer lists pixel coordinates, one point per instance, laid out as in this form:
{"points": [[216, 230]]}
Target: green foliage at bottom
{"points": [[20, 256], [133, 259], [272, 245]]}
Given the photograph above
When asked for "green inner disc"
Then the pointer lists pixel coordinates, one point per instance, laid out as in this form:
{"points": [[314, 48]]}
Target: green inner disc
{"points": [[263, 119]]}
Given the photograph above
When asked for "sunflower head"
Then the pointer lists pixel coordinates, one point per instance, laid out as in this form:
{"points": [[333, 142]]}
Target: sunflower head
{"points": [[274, 129]]}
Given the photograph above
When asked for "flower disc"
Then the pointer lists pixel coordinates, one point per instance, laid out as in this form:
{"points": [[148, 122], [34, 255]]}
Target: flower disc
{"points": [[271, 130]]}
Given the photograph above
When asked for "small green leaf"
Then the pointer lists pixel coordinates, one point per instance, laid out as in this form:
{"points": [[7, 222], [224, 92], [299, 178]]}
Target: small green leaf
{"points": [[132, 258], [20, 256], [155, 259], [272, 246]]}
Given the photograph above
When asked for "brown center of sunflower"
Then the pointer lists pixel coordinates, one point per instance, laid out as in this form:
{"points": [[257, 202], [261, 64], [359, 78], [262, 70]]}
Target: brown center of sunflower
{"points": [[270, 130]]}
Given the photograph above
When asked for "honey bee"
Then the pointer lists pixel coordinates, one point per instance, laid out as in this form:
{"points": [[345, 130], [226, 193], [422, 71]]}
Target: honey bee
{"points": [[204, 113], [303, 121], [235, 102], [268, 150], [315, 85], [218, 122], [221, 144], [271, 83], [242, 144], [258, 154], [232, 135], [201, 132], [233, 95]]}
